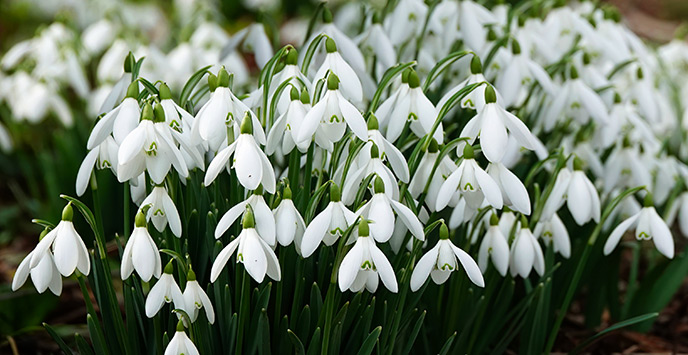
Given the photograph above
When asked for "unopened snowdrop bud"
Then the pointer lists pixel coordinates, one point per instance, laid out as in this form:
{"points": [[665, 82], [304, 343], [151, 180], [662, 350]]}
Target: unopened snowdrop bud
{"points": [[648, 225], [252, 251], [289, 224], [329, 225], [129, 63], [365, 264], [68, 250], [141, 253], [443, 259], [494, 247], [195, 298], [180, 343], [164, 291]]}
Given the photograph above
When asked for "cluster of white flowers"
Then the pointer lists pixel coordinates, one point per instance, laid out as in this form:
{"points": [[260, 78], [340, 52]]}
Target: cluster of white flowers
{"points": [[575, 85]]}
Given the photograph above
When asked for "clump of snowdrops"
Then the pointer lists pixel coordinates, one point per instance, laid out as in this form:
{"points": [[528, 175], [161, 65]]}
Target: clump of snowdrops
{"points": [[395, 183]]}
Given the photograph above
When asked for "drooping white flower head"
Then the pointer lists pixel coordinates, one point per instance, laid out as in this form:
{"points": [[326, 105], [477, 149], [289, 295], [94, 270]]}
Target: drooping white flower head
{"points": [[580, 194], [388, 152], [181, 123], [553, 231], [161, 210], [118, 122], [218, 121], [473, 182], [252, 251], [164, 291], [526, 253], [520, 73], [514, 193], [332, 114], [44, 275], [374, 41], [68, 250], [495, 248], [195, 298], [379, 212], [648, 225], [624, 168], [491, 124], [373, 166], [180, 343], [151, 148], [250, 163], [284, 132], [365, 264], [350, 84], [440, 261], [141, 253], [290, 73], [475, 99], [289, 225], [329, 225], [251, 39], [265, 220], [424, 174], [415, 108], [103, 156]]}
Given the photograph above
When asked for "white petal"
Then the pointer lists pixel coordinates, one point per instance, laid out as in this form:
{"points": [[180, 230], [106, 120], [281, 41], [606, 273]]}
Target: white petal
{"points": [[469, 265], [410, 219], [423, 268], [316, 231], [85, 170], [384, 268], [222, 259], [661, 235], [617, 233], [229, 217], [219, 162]]}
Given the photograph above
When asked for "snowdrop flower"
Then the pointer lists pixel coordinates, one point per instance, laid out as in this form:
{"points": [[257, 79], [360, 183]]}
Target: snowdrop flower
{"points": [[288, 222], [396, 98], [495, 248], [405, 21], [372, 166], [423, 174], [416, 109], [284, 132], [161, 210], [98, 36], [164, 291], [514, 82], [252, 251], [334, 64], [180, 343], [150, 147], [514, 193], [475, 99], [265, 221], [329, 225], [680, 209], [365, 264], [625, 168], [250, 163], [491, 123], [553, 231], [44, 275], [440, 261], [379, 211], [291, 73], [181, 123], [68, 250], [387, 150], [374, 41], [331, 115], [574, 97], [473, 182], [644, 94], [141, 253], [103, 156], [252, 39], [648, 225], [221, 114], [578, 191], [526, 253], [119, 122], [195, 298]]}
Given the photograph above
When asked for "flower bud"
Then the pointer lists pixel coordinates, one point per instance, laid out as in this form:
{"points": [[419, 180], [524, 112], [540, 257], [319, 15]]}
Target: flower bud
{"points": [[327, 15], [129, 63], [68, 212]]}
